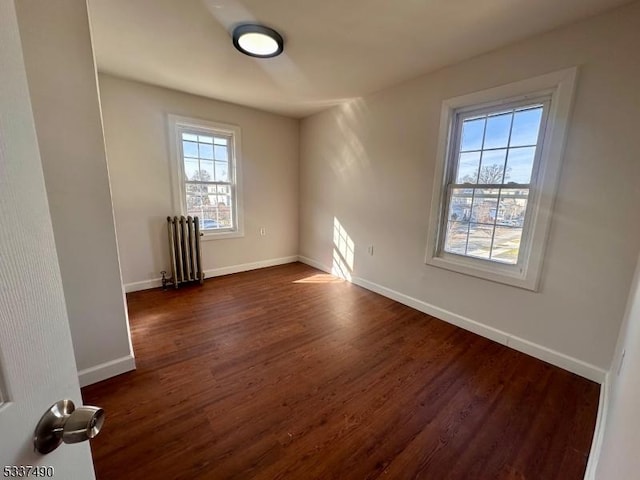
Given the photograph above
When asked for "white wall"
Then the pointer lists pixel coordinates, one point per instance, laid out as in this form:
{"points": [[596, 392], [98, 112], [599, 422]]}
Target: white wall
{"points": [[135, 119], [62, 82], [371, 164], [619, 458]]}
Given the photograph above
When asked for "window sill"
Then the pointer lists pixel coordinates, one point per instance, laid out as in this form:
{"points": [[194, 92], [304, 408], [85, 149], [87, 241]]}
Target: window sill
{"points": [[512, 275], [208, 235]]}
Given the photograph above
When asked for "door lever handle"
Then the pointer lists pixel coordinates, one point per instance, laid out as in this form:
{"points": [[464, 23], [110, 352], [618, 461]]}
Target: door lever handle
{"points": [[63, 422]]}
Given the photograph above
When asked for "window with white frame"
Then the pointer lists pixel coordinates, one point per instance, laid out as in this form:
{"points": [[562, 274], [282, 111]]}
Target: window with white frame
{"points": [[499, 158], [489, 179], [205, 170]]}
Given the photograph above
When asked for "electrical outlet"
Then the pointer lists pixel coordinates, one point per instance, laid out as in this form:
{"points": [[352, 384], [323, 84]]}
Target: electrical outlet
{"points": [[263, 231], [370, 250]]}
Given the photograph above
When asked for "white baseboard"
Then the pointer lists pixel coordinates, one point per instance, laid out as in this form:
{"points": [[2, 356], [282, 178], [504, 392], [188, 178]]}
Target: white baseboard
{"points": [[313, 263], [214, 272], [245, 267], [558, 359], [598, 434], [553, 357], [106, 370], [143, 285]]}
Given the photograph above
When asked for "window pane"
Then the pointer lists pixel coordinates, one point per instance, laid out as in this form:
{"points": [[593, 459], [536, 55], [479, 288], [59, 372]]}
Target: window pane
{"points": [[191, 168], [520, 164], [460, 204], [456, 237], [506, 244], [221, 153], [206, 151], [194, 201], [210, 212], [190, 149], [214, 189], [479, 244], [206, 171], [512, 208], [485, 204], [214, 210], [197, 190], [210, 220], [472, 133], [224, 216], [497, 134], [492, 166], [222, 171], [207, 160], [218, 209], [526, 125], [468, 164]]}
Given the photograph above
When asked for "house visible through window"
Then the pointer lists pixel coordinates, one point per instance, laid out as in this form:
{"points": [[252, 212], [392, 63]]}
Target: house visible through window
{"points": [[496, 172], [207, 174], [492, 168]]}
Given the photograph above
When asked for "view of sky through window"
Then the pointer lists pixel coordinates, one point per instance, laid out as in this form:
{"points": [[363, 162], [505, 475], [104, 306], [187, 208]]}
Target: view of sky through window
{"points": [[487, 196]]}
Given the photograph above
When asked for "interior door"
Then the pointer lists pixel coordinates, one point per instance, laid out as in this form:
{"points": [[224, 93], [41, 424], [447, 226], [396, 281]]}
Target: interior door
{"points": [[36, 355]]}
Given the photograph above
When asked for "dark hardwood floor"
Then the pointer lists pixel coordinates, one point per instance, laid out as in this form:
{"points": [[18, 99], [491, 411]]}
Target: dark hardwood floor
{"points": [[288, 373]]}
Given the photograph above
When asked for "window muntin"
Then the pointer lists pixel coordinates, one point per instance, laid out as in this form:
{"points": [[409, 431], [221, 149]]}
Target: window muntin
{"points": [[208, 178], [491, 171]]}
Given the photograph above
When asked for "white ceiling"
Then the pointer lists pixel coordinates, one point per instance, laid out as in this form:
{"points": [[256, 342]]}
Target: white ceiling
{"points": [[335, 50]]}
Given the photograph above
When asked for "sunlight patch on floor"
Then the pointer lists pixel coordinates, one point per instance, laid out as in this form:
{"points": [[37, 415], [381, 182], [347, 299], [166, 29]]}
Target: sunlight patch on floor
{"points": [[320, 278]]}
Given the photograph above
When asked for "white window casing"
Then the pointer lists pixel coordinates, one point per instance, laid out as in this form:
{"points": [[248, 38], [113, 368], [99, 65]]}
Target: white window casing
{"points": [[177, 126], [554, 91]]}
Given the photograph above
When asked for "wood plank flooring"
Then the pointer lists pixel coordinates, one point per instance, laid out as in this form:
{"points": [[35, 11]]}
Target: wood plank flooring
{"points": [[288, 373]]}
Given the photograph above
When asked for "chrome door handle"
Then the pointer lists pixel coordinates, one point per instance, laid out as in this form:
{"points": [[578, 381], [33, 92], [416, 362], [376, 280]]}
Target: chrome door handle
{"points": [[63, 422]]}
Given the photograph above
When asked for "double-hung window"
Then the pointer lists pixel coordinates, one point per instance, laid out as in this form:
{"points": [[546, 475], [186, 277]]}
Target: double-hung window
{"points": [[489, 179], [205, 170], [499, 161]]}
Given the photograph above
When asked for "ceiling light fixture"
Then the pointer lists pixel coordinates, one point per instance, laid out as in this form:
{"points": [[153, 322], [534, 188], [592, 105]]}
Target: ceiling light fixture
{"points": [[257, 41]]}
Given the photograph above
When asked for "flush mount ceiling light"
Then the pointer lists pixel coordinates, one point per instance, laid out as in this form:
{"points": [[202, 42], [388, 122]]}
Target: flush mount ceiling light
{"points": [[257, 41]]}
